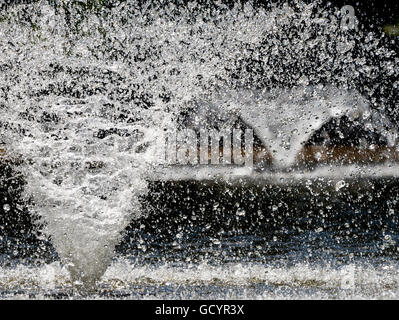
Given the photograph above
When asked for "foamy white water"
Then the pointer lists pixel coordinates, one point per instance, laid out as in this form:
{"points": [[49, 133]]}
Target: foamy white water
{"points": [[124, 279]]}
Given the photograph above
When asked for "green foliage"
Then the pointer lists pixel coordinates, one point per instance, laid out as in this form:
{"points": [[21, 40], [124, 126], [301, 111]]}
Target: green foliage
{"points": [[392, 30]]}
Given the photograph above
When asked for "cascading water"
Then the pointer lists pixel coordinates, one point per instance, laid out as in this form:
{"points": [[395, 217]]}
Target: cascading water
{"points": [[86, 93]]}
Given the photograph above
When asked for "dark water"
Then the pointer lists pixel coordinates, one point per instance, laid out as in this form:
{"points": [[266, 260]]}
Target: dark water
{"points": [[258, 221]]}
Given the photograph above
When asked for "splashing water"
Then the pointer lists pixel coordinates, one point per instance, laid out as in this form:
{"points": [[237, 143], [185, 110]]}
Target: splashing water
{"points": [[286, 120], [205, 281], [85, 95]]}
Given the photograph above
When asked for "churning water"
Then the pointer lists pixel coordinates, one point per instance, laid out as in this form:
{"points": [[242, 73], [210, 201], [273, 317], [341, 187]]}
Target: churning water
{"points": [[87, 205]]}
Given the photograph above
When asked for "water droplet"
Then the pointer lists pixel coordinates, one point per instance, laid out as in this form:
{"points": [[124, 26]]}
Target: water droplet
{"points": [[216, 241], [339, 185]]}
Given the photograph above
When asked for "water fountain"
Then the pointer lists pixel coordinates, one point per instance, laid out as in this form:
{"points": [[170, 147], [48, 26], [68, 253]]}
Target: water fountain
{"points": [[86, 93], [284, 122]]}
